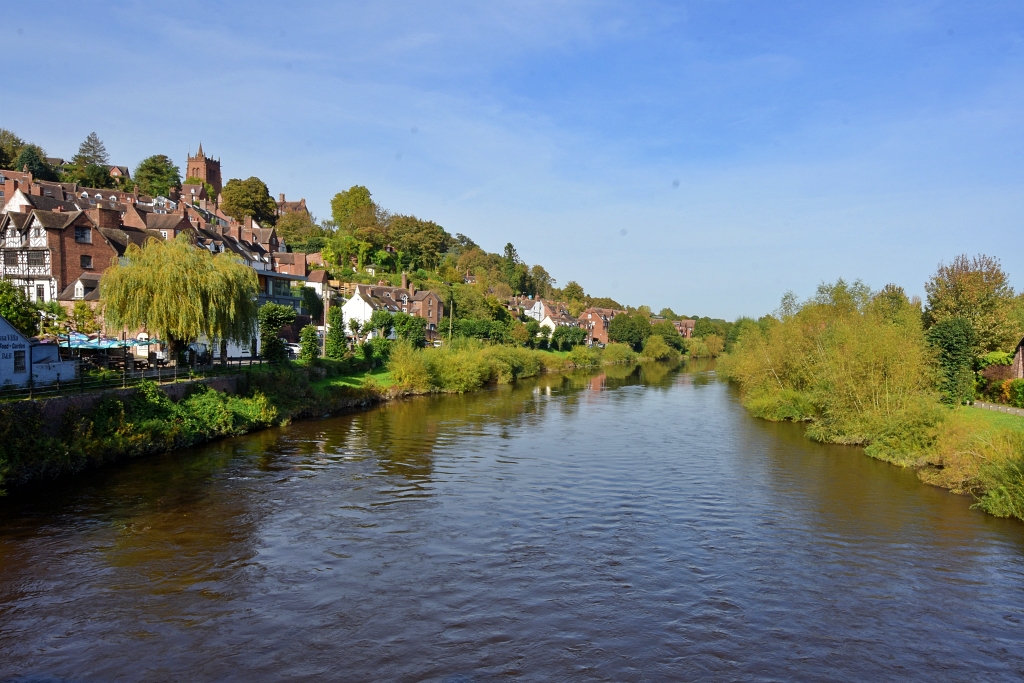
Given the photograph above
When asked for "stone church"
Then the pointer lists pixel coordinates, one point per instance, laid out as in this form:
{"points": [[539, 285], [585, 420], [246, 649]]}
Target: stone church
{"points": [[205, 169]]}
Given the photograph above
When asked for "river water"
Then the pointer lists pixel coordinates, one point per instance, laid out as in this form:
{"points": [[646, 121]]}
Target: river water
{"points": [[630, 526]]}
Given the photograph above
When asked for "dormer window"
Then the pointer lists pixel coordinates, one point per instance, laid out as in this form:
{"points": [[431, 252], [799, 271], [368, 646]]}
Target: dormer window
{"points": [[113, 199], [99, 196], [83, 235]]}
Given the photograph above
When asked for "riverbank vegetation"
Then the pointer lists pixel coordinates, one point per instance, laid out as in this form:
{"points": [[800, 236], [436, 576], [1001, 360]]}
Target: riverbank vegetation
{"points": [[880, 370]]}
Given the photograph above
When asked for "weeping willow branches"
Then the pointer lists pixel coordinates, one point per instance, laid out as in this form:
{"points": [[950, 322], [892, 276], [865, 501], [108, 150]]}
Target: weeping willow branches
{"points": [[181, 292]]}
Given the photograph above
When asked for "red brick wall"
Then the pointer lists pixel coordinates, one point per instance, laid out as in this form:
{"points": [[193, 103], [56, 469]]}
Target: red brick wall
{"points": [[66, 253]]}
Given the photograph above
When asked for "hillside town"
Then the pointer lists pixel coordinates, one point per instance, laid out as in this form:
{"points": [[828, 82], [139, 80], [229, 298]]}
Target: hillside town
{"points": [[60, 237]]}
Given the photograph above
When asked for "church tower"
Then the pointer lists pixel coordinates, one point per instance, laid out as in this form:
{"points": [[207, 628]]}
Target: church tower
{"points": [[205, 169]]}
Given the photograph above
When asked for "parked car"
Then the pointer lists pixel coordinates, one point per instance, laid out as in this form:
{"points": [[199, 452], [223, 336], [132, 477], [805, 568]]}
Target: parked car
{"points": [[293, 349]]}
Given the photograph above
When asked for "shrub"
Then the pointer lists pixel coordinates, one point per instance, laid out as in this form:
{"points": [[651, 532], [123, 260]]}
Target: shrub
{"points": [[656, 348], [310, 342], [617, 353], [408, 368], [272, 318], [582, 357], [1012, 392], [335, 342]]}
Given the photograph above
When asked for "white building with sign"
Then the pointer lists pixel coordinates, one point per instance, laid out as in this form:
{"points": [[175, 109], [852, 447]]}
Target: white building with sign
{"points": [[18, 354]]}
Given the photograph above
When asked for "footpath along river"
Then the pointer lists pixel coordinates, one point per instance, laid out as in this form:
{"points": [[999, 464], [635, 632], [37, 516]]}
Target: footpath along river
{"points": [[630, 526]]}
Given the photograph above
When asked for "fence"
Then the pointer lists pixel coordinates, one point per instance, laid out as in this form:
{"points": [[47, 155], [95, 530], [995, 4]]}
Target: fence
{"points": [[121, 379]]}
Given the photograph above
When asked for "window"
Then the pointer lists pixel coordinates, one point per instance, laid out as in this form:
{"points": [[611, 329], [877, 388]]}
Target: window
{"points": [[83, 235], [36, 258], [37, 231], [11, 258], [40, 292], [86, 261], [19, 361]]}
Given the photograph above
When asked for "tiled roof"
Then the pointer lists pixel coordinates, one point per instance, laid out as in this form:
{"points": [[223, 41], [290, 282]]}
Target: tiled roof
{"points": [[55, 220]]}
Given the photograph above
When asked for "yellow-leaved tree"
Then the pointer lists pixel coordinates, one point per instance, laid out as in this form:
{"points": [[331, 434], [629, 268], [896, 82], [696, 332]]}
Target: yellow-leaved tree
{"points": [[180, 292]]}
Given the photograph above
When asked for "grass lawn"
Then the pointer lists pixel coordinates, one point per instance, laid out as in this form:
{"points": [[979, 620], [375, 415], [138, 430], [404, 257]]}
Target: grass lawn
{"points": [[990, 419], [380, 375]]}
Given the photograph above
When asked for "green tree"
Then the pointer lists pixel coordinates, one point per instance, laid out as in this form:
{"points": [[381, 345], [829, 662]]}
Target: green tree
{"points": [[629, 328], [380, 321], [10, 148], [297, 226], [411, 329], [91, 152], [565, 337], [17, 309], [573, 291], [355, 327], [513, 269], [956, 342], [180, 292], [668, 332], [89, 176], [335, 345], [249, 197], [310, 343], [30, 158], [977, 290], [272, 318], [312, 302], [83, 318], [353, 208], [157, 175], [424, 242]]}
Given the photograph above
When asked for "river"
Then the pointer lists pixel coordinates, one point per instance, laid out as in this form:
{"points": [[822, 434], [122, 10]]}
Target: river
{"points": [[629, 526]]}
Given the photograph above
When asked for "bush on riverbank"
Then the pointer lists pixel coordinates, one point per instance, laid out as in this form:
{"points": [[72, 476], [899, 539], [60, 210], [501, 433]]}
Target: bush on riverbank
{"points": [[147, 422], [859, 370], [468, 364]]}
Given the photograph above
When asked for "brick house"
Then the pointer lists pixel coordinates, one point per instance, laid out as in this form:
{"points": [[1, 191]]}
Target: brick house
{"points": [[685, 327], [44, 251], [284, 206], [595, 321]]}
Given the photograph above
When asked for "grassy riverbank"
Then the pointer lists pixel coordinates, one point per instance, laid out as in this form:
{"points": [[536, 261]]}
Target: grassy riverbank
{"points": [[148, 421], [861, 372]]}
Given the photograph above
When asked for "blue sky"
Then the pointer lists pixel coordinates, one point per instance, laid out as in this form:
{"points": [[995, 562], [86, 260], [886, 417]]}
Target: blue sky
{"points": [[707, 156]]}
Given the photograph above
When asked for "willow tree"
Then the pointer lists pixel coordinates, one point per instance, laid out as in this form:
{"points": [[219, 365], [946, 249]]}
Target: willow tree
{"points": [[181, 292]]}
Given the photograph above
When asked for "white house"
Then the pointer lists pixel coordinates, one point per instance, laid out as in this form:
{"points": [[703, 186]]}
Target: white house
{"points": [[364, 302], [551, 315], [19, 354]]}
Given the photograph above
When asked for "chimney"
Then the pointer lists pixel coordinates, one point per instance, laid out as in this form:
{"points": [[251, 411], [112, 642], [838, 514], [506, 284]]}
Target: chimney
{"points": [[281, 200], [405, 280]]}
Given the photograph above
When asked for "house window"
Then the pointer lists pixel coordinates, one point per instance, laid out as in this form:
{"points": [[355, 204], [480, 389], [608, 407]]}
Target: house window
{"points": [[11, 258], [83, 235], [37, 231], [36, 258], [40, 292], [19, 361], [86, 261]]}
